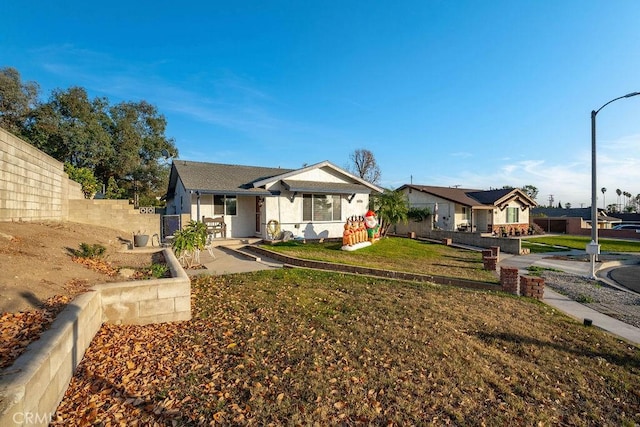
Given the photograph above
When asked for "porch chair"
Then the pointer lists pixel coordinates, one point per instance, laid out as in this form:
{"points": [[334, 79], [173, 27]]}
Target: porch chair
{"points": [[215, 226]]}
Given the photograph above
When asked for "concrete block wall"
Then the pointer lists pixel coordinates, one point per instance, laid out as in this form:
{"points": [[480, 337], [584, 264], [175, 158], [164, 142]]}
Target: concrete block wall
{"points": [[511, 246], [116, 214], [32, 388], [33, 185]]}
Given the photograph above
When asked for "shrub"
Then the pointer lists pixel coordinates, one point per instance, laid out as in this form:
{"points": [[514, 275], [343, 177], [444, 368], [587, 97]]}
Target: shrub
{"points": [[419, 214], [159, 270], [190, 241], [89, 251]]}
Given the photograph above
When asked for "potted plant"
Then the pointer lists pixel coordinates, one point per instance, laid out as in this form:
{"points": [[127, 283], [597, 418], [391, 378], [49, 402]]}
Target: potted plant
{"points": [[188, 242], [140, 239]]}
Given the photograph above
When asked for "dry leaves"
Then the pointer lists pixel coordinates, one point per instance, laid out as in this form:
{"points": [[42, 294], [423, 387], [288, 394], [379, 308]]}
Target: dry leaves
{"points": [[18, 330], [300, 348]]}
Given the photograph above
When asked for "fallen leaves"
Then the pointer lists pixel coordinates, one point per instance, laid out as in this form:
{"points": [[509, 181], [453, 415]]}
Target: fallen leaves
{"points": [[96, 264], [18, 330], [291, 347]]}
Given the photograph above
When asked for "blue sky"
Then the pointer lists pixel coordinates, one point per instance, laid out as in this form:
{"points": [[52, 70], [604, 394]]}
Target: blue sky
{"points": [[469, 93]]}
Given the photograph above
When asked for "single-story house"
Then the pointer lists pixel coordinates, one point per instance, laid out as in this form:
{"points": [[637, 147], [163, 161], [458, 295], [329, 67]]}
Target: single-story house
{"points": [[562, 220], [311, 202], [462, 209]]}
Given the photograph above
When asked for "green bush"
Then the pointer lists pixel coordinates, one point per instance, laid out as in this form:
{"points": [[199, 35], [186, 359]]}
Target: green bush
{"points": [[159, 270], [419, 214], [89, 251], [83, 176]]}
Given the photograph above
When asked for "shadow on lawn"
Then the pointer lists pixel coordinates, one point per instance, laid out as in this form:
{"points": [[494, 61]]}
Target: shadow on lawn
{"points": [[507, 339]]}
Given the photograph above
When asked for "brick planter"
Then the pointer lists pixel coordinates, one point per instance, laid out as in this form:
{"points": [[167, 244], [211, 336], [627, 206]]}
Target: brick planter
{"points": [[509, 279], [532, 287], [495, 251], [490, 263]]}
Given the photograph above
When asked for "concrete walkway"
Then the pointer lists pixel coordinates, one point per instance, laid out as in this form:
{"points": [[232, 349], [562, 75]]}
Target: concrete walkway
{"points": [[572, 308], [230, 260]]}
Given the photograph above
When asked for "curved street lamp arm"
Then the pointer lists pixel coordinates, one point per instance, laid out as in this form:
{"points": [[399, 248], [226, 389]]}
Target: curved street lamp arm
{"points": [[629, 95]]}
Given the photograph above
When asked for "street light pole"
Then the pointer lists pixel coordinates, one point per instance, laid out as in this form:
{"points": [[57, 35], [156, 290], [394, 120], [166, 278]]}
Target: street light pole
{"points": [[593, 248]]}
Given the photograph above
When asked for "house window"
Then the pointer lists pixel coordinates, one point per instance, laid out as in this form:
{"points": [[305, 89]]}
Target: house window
{"points": [[224, 205], [512, 215], [321, 207]]}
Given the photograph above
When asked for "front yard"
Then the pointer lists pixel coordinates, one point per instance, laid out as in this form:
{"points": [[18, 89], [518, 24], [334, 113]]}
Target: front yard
{"points": [[397, 254], [300, 347]]}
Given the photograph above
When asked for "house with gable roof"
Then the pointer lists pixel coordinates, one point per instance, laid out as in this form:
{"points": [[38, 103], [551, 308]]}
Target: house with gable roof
{"points": [[462, 209], [311, 202]]}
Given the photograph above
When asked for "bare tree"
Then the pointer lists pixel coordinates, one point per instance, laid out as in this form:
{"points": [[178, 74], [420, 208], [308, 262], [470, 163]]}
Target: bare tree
{"points": [[365, 166]]}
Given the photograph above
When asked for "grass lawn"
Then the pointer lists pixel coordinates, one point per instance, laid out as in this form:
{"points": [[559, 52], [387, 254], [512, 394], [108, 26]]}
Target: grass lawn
{"points": [[580, 242], [539, 247], [397, 254], [300, 347]]}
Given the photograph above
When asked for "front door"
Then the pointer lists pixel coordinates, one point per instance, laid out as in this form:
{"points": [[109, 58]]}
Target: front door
{"points": [[258, 216]]}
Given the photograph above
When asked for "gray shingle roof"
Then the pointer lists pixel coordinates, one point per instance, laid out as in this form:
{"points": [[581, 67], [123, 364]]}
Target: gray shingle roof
{"points": [[220, 178], [457, 195], [468, 197], [489, 197]]}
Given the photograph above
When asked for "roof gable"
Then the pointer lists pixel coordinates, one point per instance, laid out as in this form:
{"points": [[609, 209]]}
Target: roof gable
{"points": [[349, 178]]}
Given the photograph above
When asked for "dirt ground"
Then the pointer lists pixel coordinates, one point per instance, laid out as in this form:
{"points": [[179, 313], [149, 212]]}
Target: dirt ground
{"points": [[36, 262]]}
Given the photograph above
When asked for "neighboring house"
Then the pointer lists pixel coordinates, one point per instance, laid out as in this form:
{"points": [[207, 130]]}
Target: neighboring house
{"points": [[312, 202], [559, 220], [460, 209]]}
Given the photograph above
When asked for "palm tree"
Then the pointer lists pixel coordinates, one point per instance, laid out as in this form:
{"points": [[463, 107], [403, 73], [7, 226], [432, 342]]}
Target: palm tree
{"points": [[391, 207], [618, 192], [604, 190]]}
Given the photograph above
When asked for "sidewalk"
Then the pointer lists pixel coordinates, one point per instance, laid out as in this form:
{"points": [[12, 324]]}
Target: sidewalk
{"points": [[571, 308]]}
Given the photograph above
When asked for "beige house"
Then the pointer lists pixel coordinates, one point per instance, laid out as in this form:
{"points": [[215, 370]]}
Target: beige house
{"points": [[501, 212], [312, 202]]}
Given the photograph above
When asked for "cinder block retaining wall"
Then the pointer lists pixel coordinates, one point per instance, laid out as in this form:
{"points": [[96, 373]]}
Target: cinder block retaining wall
{"points": [[116, 214], [33, 185], [32, 388]]}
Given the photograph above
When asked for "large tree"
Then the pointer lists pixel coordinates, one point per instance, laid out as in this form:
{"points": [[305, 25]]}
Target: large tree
{"points": [[530, 190], [72, 128], [17, 99], [364, 165], [123, 145], [140, 148]]}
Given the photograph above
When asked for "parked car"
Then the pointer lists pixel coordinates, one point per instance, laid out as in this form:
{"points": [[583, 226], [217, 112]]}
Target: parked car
{"points": [[626, 227]]}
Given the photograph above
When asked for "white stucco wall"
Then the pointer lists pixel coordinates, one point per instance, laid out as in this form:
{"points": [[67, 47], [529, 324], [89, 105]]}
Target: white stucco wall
{"points": [[288, 213], [181, 203], [446, 208]]}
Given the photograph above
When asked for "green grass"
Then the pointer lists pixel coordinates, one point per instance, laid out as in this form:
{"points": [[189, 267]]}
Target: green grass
{"points": [[535, 270], [580, 242], [397, 254], [538, 248], [302, 347]]}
